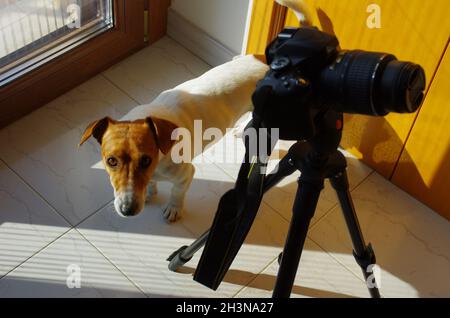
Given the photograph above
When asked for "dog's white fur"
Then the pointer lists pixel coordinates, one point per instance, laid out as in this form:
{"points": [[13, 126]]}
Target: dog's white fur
{"points": [[218, 98]]}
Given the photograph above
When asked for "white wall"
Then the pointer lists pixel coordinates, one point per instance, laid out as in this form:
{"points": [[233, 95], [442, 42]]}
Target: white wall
{"points": [[223, 20]]}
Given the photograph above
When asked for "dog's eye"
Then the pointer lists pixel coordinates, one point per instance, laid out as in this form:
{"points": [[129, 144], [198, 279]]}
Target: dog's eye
{"points": [[112, 162], [145, 161]]}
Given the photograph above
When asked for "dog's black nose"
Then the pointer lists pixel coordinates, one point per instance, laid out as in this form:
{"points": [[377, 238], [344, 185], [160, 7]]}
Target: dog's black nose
{"points": [[127, 209]]}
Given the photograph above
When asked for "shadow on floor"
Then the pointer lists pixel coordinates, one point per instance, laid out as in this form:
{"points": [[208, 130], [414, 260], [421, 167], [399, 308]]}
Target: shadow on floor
{"points": [[267, 282]]}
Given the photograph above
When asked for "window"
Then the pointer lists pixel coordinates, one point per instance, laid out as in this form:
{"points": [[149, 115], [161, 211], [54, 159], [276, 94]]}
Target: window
{"points": [[32, 32]]}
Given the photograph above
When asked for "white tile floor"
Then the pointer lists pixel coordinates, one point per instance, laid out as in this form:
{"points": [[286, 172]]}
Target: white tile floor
{"points": [[56, 211]]}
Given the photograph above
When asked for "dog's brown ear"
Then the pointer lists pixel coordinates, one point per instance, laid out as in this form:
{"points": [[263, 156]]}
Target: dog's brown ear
{"points": [[162, 129], [96, 129]]}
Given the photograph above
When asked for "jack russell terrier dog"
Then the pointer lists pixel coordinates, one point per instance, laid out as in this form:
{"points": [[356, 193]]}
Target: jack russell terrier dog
{"points": [[136, 150]]}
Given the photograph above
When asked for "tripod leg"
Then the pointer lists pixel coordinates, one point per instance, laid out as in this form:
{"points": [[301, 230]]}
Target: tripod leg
{"points": [[185, 253], [364, 254], [304, 207]]}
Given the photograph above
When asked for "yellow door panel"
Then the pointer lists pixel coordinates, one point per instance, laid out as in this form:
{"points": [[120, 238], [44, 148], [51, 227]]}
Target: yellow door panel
{"points": [[260, 26], [413, 30], [424, 166]]}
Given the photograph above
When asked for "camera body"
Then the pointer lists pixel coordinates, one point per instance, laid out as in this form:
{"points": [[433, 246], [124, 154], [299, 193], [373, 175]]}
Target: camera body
{"points": [[309, 74]]}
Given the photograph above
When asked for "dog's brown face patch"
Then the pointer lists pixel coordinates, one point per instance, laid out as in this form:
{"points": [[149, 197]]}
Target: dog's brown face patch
{"points": [[130, 155]]}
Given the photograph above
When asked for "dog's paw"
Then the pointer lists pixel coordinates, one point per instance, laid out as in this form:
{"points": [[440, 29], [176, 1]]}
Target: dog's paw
{"points": [[172, 213]]}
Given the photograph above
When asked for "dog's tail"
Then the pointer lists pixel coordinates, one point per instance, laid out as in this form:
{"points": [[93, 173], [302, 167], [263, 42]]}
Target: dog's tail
{"points": [[300, 9]]}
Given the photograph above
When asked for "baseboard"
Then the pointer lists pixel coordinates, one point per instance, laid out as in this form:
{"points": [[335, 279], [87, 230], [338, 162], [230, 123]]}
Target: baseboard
{"points": [[197, 41]]}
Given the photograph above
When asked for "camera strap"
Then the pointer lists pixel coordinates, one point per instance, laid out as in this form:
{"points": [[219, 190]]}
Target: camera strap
{"points": [[235, 214]]}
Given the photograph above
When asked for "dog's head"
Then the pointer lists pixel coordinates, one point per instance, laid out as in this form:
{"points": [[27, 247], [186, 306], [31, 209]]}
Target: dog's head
{"points": [[130, 153]]}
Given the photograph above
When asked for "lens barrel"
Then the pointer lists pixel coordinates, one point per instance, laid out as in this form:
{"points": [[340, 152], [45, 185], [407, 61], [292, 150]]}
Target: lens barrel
{"points": [[371, 83]]}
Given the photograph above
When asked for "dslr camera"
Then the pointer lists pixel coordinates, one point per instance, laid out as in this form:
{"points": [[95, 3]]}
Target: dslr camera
{"points": [[308, 74]]}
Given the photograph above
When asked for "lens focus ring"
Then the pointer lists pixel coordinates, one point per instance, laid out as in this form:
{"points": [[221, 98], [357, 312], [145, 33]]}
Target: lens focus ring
{"points": [[362, 72]]}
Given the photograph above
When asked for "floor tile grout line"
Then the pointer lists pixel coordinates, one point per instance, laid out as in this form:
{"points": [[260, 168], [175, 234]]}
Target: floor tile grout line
{"points": [[93, 213], [69, 228], [69, 225], [335, 259], [49, 204], [255, 277], [111, 262], [340, 263], [102, 74], [187, 49], [333, 208], [131, 97], [37, 252], [76, 227], [33, 190], [276, 211], [89, 242], [362, 181], [337, 204]]}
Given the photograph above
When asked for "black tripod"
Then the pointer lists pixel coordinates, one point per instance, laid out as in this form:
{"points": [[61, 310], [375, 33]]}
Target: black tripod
{"points": [[317, 159]]}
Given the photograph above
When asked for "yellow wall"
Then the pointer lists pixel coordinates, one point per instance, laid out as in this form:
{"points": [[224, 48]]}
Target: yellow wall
{"points": [[413, 30], [424, 166]]}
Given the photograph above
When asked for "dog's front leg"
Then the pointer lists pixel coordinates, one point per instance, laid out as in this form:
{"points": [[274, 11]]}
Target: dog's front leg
{"points": [[180, 175], [152, 189]]}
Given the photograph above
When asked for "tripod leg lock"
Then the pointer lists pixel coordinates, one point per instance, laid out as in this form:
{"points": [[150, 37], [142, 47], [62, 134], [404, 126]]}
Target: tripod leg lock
{"points": [[339, 181], [366, 259], [176, 259]]}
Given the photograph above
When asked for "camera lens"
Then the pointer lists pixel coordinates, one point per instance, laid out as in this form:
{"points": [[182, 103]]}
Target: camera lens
{"points": [[371, 83], [401, 87]]}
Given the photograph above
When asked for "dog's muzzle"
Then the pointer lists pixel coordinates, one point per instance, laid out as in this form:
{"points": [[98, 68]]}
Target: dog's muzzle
{"points": [[125, 204]]}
